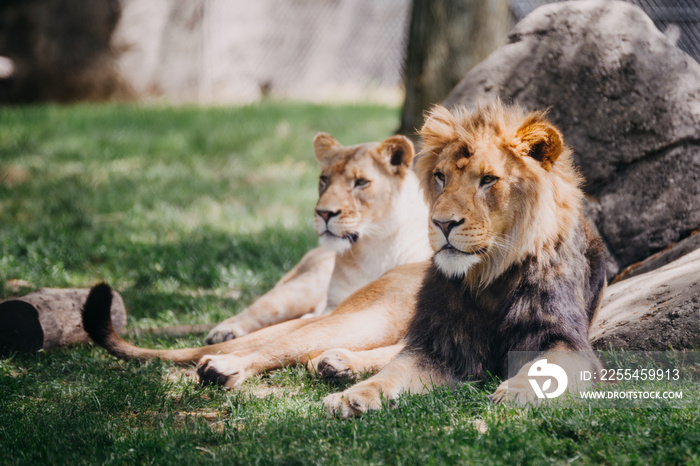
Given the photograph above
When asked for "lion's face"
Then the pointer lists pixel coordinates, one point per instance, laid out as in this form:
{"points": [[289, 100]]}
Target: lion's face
{"points": [[357, 187], [471, 211], [490, 179]]}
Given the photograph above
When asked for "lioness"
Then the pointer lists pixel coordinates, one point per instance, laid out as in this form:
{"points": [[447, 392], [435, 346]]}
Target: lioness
{"points": [[516, 265], [369, 218], [371, 213]]}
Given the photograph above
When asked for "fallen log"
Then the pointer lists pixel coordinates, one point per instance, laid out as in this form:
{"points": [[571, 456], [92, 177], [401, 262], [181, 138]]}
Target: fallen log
{"points": [[49, 318]]}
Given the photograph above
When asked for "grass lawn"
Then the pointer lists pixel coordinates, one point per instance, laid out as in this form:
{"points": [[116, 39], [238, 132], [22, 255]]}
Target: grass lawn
{"points": [[190, 213]]}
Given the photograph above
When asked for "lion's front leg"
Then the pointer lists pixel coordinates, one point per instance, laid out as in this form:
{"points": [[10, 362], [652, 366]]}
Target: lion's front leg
{"points": [[407, 373], [549, 376]]}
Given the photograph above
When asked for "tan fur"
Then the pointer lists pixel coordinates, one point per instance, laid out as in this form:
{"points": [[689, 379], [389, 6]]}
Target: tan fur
{"points": [[300, 291], [354, 240], [374, 317], [404, 374], [480, 228], [342, 363], [380, 223], [499, 143]]}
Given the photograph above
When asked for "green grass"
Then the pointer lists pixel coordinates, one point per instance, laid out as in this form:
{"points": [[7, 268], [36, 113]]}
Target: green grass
{"points": [[191, 213]]}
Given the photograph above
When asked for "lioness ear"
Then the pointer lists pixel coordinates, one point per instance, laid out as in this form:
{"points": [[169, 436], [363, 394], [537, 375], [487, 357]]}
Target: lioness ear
{"points": [[323, 143], [543, 142], [397, 154]]}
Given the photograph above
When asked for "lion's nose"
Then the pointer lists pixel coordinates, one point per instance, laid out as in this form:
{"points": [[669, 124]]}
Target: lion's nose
{"points": [[327, 214], [447, 226]]}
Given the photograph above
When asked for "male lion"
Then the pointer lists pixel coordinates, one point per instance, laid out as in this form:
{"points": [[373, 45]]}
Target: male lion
{"points": [[516, 265], [371, 212]]}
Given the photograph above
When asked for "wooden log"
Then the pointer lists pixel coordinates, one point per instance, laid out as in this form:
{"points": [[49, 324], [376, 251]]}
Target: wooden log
{"points": [[49, 318]]}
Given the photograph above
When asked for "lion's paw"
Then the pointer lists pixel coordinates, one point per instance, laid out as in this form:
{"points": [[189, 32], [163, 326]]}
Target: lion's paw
{"points": [[225, 370], [333, 365], [517, 390], [225, 331], [354, 401]]}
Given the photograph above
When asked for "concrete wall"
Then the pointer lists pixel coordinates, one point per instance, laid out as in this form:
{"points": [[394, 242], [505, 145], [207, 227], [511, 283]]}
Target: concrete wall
{"points": [[221, 51]]}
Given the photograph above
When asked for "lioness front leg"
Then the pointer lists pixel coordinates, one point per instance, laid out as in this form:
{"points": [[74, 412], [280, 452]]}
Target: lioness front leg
{"points": [[386, 304], [550, 375], [334, 331], [301, 291], [342, 364], [407, 373]]}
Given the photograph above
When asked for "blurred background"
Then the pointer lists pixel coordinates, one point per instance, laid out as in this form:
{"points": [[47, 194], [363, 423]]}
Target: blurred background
{"points": [[220, 52], [182, 170]]}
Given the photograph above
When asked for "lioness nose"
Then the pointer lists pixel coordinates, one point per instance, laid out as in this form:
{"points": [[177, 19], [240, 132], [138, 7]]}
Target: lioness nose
{"points": [[447, 226], [327, 214]]}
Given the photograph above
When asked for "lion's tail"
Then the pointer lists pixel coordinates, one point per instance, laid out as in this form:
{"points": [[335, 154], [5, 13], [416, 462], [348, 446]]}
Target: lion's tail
{"points": [[97, 322]]}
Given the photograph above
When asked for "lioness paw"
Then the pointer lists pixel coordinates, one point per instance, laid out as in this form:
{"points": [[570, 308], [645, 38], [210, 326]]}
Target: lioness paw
{"points": [[334, 365], [223, 332], [224, 370]]}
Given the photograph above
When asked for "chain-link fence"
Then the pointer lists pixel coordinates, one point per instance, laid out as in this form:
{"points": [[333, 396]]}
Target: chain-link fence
{"points": [[356, 43], [221, 51], [678, 19], [305, 49], [243, 50]]}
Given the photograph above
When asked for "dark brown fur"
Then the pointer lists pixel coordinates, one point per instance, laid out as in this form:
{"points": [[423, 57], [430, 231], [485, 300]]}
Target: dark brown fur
{"points": [[533, 306]]}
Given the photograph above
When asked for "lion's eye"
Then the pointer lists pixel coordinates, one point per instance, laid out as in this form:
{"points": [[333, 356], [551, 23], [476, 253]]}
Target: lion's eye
{"points": [[439, 177], [361, 182], [323, 181], [488, 180]]}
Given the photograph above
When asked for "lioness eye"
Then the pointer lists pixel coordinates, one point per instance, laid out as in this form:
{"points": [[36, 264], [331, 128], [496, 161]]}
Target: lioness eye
{"points": [[322, 181], [488, 180], [361, 182]]}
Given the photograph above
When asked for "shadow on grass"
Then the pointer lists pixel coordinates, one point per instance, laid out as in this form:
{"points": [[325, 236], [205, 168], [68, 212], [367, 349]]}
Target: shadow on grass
{"points": [[202, 277]]}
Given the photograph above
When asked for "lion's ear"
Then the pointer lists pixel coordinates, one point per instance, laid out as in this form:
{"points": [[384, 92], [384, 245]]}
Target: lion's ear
{"points": [[323, 143], [397, 154], [543, 142]]}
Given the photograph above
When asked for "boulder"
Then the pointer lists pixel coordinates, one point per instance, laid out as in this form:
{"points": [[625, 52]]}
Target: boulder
{"points": [[661, 258], [654, 311], [628, 103]]}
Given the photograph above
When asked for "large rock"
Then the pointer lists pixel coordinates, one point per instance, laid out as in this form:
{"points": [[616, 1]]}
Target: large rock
{"points": [[661, 258], [628, 103], [654, 311]]}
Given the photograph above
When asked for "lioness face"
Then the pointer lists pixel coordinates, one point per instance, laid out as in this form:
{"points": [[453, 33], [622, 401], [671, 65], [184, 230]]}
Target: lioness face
{"points": [[484, 179], [357, 187]]}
